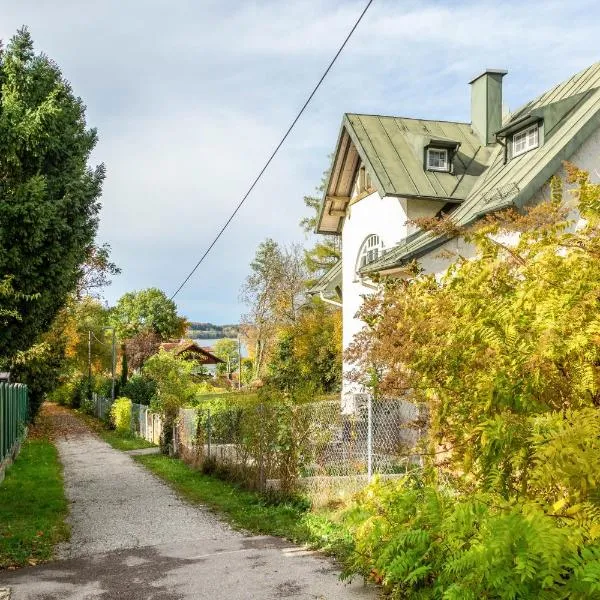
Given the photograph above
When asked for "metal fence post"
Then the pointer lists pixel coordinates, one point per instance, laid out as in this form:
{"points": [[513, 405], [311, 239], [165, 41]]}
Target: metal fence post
{"points": [[261, 449], [369, 437], [208, 430]]}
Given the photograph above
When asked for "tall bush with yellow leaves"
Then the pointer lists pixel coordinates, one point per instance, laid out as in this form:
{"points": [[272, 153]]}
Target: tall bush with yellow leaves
{"points": [[504, 352]]}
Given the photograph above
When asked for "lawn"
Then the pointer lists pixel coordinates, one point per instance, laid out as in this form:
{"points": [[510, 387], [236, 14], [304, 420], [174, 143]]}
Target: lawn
{"points": [[120, 441], [33, 506], [252, 511]]}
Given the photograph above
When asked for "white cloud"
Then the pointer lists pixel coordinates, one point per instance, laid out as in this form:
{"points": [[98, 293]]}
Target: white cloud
{"points": [[190, 97]]}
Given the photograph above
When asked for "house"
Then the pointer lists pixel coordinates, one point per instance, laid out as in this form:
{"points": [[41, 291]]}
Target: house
{"points": [[387, 171], [192, 351]]}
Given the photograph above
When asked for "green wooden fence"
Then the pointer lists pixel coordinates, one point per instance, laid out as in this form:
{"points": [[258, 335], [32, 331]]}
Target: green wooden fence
{"points": [[13, 417]]}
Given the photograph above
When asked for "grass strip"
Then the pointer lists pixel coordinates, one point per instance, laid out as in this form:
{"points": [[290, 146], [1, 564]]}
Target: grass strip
{"points": [[33, 506], [117, 439], [252, 511]]}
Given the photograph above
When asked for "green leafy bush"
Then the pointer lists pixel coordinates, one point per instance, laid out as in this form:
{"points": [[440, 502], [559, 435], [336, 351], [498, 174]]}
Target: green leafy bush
{"points": [[503, 351], [120, 415], [425, 541], [102, 385], [63, 394], [140, 389]]}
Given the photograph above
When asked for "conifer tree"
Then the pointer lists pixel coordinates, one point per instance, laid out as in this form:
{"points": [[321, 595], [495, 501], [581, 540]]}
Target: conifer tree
{"points": [[49, 196]]}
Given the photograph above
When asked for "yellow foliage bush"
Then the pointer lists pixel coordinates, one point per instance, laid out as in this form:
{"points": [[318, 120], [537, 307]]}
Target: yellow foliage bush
{"points": [[120, 414]]}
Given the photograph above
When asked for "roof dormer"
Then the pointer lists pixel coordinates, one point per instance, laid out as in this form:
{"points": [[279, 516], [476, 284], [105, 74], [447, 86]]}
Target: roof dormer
{"points": [[439, 154]]}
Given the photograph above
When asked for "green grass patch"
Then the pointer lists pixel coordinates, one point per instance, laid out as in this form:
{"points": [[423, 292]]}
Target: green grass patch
{"points": [[33, 506], [118, 440], [252, 511]]}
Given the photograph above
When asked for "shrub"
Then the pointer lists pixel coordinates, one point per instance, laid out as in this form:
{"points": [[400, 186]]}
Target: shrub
{"points": [[120, 415], [140, 389], [102, 385], [174, 389], [81, 390], [63, 394], [503, 352], [425, 541], [73, 392]]}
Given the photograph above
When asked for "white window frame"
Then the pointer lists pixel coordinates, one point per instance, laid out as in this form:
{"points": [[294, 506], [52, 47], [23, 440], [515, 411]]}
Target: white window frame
{"points": [[370, 250], [436, 167], [525, 140]]}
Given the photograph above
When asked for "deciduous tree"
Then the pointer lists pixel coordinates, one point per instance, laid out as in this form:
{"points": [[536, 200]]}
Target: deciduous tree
{"points": [[274, 293], [147, 310]]}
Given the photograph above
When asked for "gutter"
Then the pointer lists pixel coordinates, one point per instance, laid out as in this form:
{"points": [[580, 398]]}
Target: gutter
{"points": [[329, 301]]}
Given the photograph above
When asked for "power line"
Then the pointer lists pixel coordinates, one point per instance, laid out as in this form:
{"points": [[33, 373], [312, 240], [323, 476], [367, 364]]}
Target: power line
{"points": [[99, 341], [287, 133]]}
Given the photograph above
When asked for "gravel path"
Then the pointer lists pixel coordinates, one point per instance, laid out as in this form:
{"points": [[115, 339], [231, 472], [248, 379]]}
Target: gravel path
{"points": [[134, 538]]}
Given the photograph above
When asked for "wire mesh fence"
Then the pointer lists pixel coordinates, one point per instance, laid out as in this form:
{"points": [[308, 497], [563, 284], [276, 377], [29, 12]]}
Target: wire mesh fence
{"points": [[313, 445], [101, 406]]}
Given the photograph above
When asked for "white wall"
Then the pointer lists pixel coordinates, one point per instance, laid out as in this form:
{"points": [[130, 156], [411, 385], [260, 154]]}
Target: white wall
{"points": [[587, 158], [387, 218]]}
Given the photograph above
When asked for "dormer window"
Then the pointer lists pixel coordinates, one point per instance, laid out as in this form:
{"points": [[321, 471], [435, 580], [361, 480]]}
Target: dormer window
{"points": [[525, 140], [437, 159]]}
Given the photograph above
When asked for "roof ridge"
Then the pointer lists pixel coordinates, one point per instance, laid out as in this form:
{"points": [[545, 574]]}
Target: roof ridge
{"points": [[534, 102], [407, 118]]}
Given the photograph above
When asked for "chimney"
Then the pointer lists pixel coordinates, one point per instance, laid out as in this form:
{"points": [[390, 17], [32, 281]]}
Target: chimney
{"points": [[486, 104]]}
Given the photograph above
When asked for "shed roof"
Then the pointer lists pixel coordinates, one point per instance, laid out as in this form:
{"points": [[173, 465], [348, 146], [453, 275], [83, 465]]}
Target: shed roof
{"points": [[570, 112]]}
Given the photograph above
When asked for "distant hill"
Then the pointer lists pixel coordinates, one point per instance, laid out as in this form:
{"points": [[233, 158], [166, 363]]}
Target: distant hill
{"points": [[211, 331]]}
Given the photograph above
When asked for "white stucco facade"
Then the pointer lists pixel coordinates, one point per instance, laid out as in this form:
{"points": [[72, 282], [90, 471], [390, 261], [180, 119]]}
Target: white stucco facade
{"points": [[372, 215]]}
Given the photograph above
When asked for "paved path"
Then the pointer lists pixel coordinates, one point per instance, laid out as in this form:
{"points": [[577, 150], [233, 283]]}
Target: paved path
{"points": [[134, 539]]}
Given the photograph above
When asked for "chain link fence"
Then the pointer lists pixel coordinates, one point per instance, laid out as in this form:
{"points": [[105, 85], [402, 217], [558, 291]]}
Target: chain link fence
{"points": [[312, 446]]}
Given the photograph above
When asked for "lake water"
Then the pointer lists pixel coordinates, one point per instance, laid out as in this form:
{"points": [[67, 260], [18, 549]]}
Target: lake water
{"points": [[210, 342]]}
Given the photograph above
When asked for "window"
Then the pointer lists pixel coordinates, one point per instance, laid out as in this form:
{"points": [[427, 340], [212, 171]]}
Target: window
{"points": [[363, 184], [525, 140], [370, 251], [437, 159]]}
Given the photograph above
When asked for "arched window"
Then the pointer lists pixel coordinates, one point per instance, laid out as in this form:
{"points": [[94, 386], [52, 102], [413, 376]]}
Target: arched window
{"points": [[370, 250]]}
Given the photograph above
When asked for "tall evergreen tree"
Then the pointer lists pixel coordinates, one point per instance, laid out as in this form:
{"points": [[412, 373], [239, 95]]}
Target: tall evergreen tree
{"points": [[48, 194]]}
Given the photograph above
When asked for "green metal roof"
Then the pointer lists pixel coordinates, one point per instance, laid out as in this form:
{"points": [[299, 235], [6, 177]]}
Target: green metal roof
{"points": [[570, 112], [393, 151], [330, 283], [393, 148]]}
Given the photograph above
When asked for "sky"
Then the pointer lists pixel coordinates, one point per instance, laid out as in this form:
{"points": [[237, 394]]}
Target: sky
{"points": [[190, 97]]}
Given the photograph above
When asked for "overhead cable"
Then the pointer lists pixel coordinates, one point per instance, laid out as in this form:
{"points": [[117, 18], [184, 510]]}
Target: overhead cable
{"points": [[272, 156]]}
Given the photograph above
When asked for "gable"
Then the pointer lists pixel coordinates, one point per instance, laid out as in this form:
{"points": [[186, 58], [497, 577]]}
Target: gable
{"points": [[393, 151]]}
